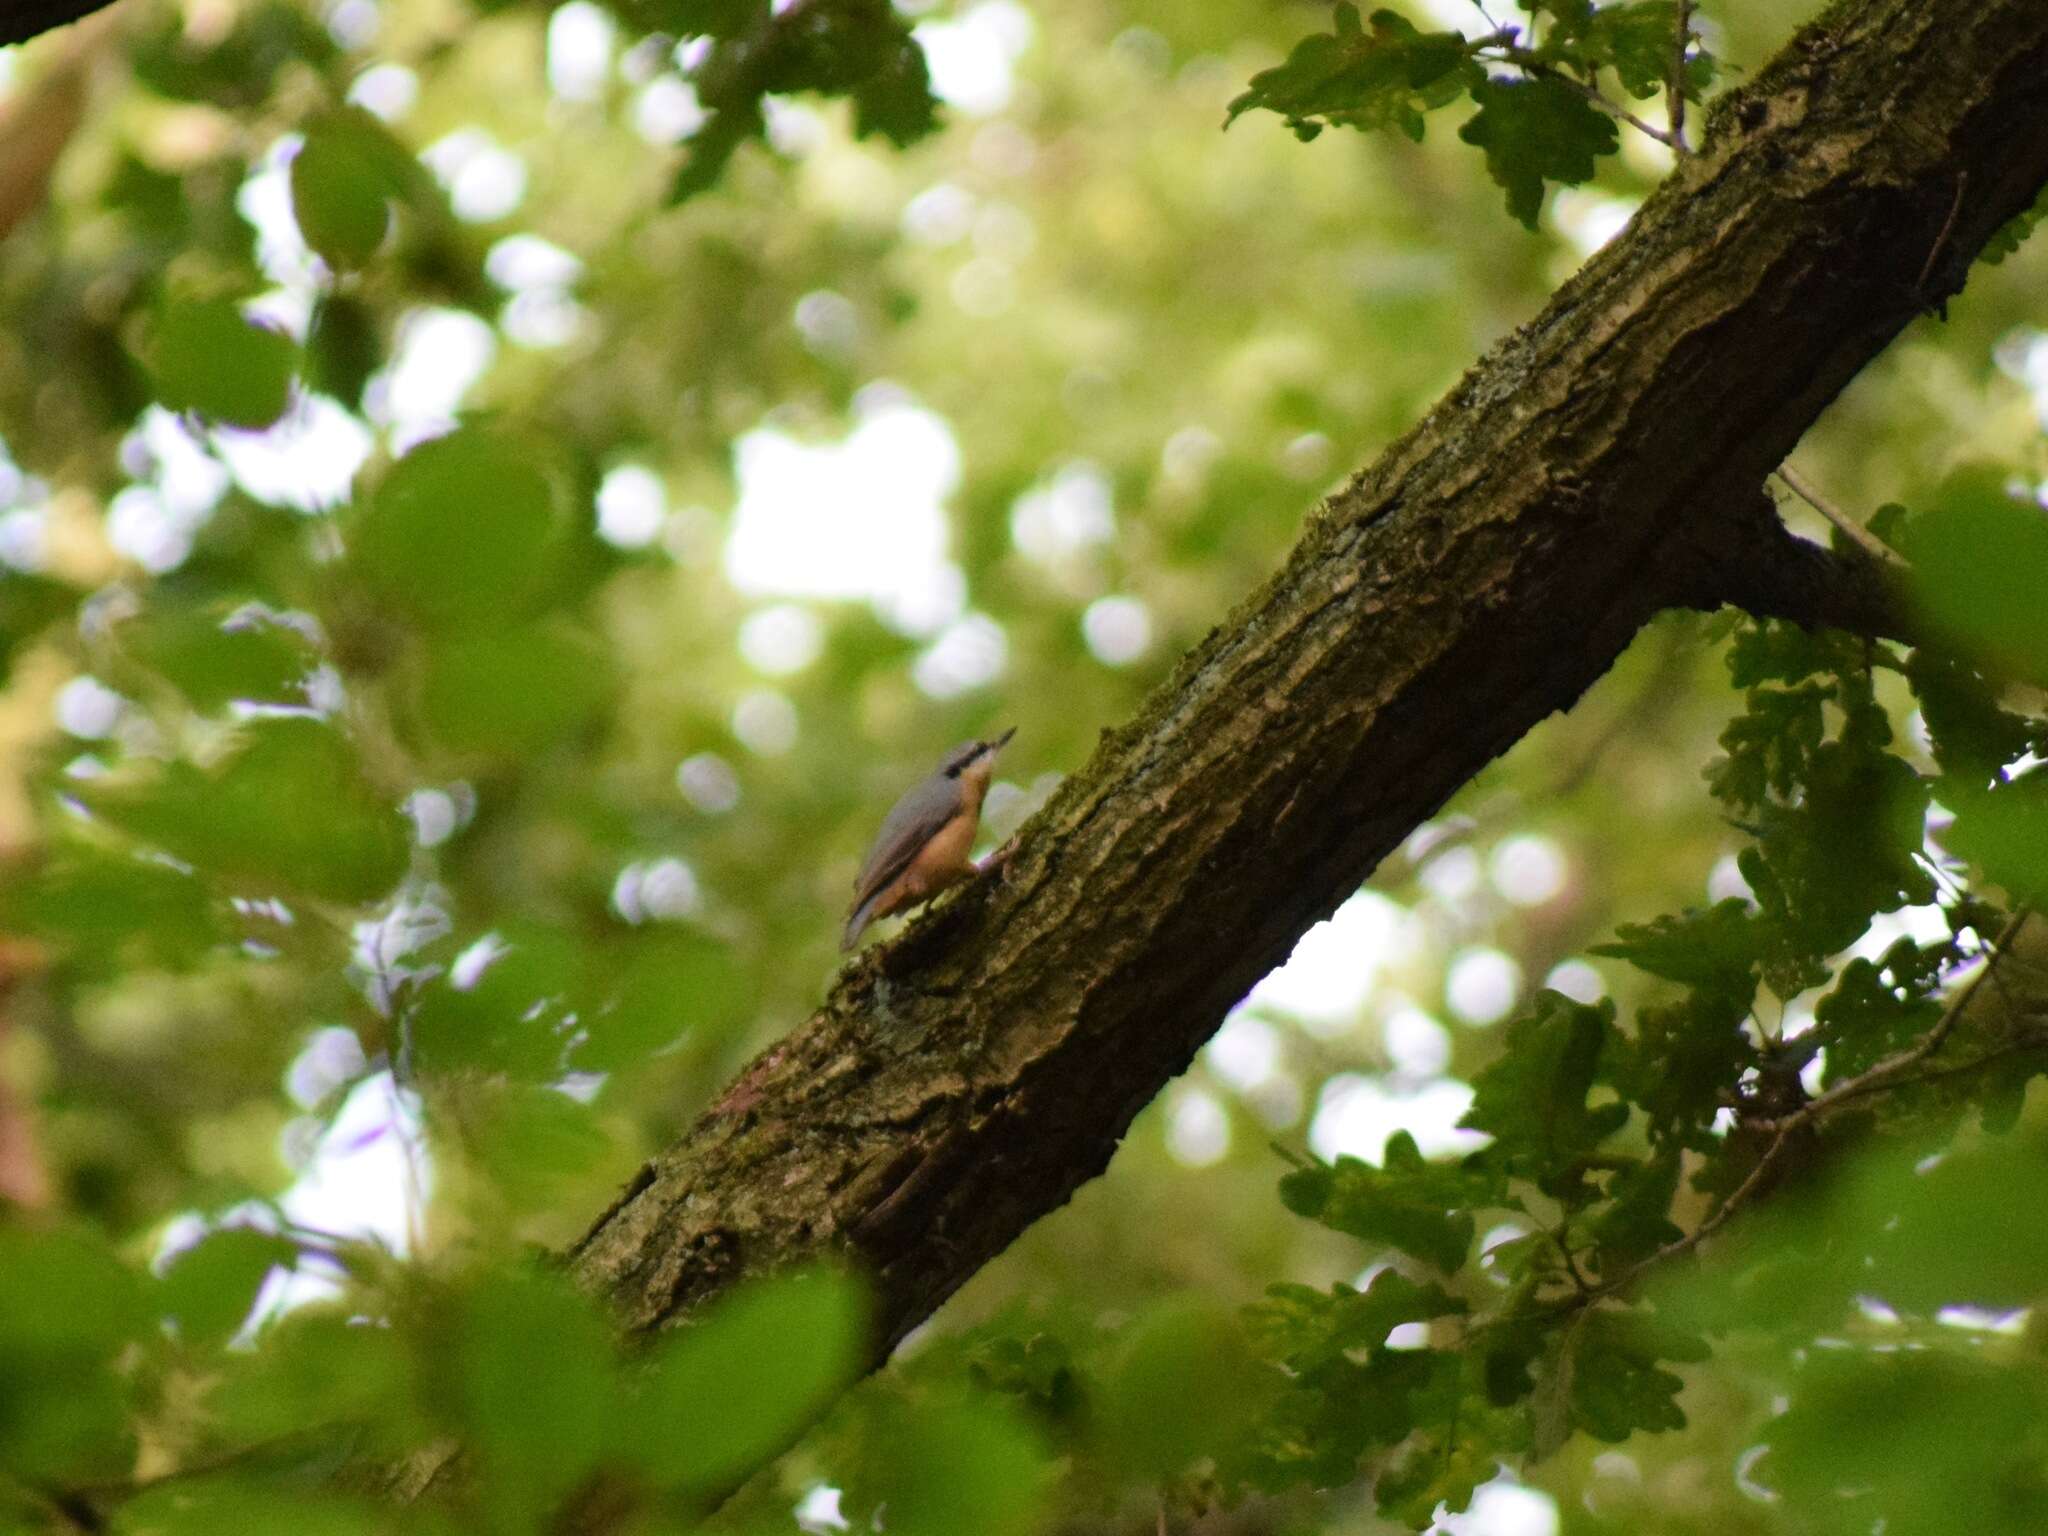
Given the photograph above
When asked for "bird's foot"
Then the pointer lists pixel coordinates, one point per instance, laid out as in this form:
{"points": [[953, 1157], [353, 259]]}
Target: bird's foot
{"points": [[998, 863]]}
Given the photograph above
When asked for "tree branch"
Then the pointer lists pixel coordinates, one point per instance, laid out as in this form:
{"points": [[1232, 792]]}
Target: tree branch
{"points": [[965, 1079], [1748, 559]]}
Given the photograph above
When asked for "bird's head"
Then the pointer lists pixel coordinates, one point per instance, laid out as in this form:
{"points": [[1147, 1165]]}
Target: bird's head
{"points": [[975, 759]]}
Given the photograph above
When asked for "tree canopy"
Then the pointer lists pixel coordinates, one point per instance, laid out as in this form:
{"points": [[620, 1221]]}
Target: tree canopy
{"points": [[498, 498]]}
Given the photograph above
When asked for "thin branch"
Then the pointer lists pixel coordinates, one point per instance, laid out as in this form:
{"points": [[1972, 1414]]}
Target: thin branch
{"points": [[1529, 64], [1675, 98], [1868, 542], [1748, 558], [1948, 226], [1571, 1265]]}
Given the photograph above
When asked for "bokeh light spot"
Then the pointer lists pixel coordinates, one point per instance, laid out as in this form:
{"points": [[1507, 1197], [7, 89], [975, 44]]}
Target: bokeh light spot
{"points": [[1481, 985]]}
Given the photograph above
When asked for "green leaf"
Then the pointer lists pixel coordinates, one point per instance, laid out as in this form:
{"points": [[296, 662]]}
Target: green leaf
{"points": [[1330, 1415], [289, 809], [462, 534], [1534, 131], [513, 690], [1459, 1448], [344, 348], [857, 48], [711, 148], [233, 72], [211, 1506], [1979, 566], [1036, 1366], [210, 1287], [714, 18], [2004, 832], [510, 1005], [1636, 1222], [1638, 41], [1943, 1233], [318, 1367], [669, 988], [1618, 1383], [1774, 651], [896, 100], [1409, 1204], [1849, 847], [1716, 949], [341, 189], [1920, 1442], [1685, 1059], [1308, 1328], [63, 1290], [1973, 738], [1533, 1099], [1184, 1388], [218, 653], [1768, 745], [2013, 233], [939, 1469], [105, 910], [68, 1307], [1878, 1008], [733, 1387], [206, 358], [533, 1366], [1388, 77], [535, 1145]]}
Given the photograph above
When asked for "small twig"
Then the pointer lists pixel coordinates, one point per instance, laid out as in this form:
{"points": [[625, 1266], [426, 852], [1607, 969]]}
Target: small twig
{"points": [[1571, 1265], [1948, 226], [1866, 541], [1499, 30], [1675, 109], [1528, 63]]}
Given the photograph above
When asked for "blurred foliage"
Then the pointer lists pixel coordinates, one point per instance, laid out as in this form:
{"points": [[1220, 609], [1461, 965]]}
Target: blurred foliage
{"points": [[416, 801]]}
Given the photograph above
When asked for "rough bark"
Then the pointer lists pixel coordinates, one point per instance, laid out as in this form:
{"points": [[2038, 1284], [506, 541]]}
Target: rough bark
{"points": [[1602, 463]]}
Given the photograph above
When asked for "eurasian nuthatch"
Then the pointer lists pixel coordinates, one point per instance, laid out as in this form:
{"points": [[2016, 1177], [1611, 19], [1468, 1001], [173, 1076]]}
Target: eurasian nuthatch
{"points": [[923, 845]]}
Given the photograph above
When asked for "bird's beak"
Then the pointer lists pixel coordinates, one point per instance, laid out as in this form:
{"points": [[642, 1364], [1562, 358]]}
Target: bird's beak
{"points": [[1001, 741]]}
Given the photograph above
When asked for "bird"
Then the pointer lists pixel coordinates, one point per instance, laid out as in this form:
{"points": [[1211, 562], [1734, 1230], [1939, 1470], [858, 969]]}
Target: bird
{"points": [[923, 845]]}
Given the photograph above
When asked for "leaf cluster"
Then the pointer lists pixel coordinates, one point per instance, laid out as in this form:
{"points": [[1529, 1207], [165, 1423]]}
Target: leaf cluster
{"points": [[1541, 116]]}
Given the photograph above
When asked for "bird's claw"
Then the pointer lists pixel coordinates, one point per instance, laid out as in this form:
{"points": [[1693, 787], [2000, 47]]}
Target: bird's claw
{"points": [[998, 863]]}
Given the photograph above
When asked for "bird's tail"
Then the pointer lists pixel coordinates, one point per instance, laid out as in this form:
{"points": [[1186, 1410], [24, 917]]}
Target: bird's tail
{"points": [[862, 916]]}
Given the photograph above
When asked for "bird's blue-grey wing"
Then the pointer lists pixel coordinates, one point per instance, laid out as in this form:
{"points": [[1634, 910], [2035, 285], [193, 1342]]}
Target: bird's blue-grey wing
{"points": [[910, 824]]}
